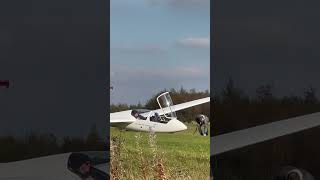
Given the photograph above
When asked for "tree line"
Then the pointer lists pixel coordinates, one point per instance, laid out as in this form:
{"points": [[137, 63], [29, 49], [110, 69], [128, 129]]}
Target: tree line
{"points": [[43, 144]]}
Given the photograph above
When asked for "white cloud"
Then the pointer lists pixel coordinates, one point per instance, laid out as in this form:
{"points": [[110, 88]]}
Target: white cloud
{"points": [[146, 49], [149, 74], [194, 42]]}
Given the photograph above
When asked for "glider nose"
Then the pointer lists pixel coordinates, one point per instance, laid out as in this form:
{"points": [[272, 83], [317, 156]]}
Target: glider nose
{"points": [[174, 125], [181, 126]]}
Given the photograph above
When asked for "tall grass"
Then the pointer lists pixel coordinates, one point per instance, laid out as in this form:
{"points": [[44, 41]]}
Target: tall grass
{"points": [[142, 160], [157, 162], [150, 162], [117, 171]]}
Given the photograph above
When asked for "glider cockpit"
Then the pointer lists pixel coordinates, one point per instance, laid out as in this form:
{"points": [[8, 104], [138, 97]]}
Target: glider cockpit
{"points": [[148, 115], [167, 112], [136, 113]]}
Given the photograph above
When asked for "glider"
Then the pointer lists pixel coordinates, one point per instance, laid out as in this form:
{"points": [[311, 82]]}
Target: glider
{"points": [[163, 119]]}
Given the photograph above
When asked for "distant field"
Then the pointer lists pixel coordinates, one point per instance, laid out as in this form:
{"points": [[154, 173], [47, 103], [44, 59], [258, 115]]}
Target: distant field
{"points": [[185, 155]]}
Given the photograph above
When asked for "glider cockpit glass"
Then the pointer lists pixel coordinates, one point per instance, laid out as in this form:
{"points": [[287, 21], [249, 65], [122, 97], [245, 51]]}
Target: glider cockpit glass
{"points": [[83, 164], [165, 102]]}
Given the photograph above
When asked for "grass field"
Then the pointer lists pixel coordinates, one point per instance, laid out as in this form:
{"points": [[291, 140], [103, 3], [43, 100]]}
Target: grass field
{"points": [[181, 155]]}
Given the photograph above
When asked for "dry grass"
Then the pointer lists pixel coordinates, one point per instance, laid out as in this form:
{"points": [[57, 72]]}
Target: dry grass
{"points": [[149, 168]]}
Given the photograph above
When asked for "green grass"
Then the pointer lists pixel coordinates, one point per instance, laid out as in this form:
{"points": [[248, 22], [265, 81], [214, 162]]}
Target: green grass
{"points": [[185, 155]]}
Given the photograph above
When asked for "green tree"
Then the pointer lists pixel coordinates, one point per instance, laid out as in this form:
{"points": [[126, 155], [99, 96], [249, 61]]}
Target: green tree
{"points": [[310, 96], [231, 94], [264, 93]]}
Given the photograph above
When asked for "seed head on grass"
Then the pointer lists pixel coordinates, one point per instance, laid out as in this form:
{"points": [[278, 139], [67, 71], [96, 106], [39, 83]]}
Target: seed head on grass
{"points": [[116, 168], [142, 158], [157, 159]]}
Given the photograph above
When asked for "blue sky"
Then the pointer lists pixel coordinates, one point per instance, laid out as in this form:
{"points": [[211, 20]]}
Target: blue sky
{"points": [[157, 44]]}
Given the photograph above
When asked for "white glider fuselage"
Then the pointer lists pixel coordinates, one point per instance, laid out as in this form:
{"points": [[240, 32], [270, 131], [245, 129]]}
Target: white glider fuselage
{"points": [[173, 125]]}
